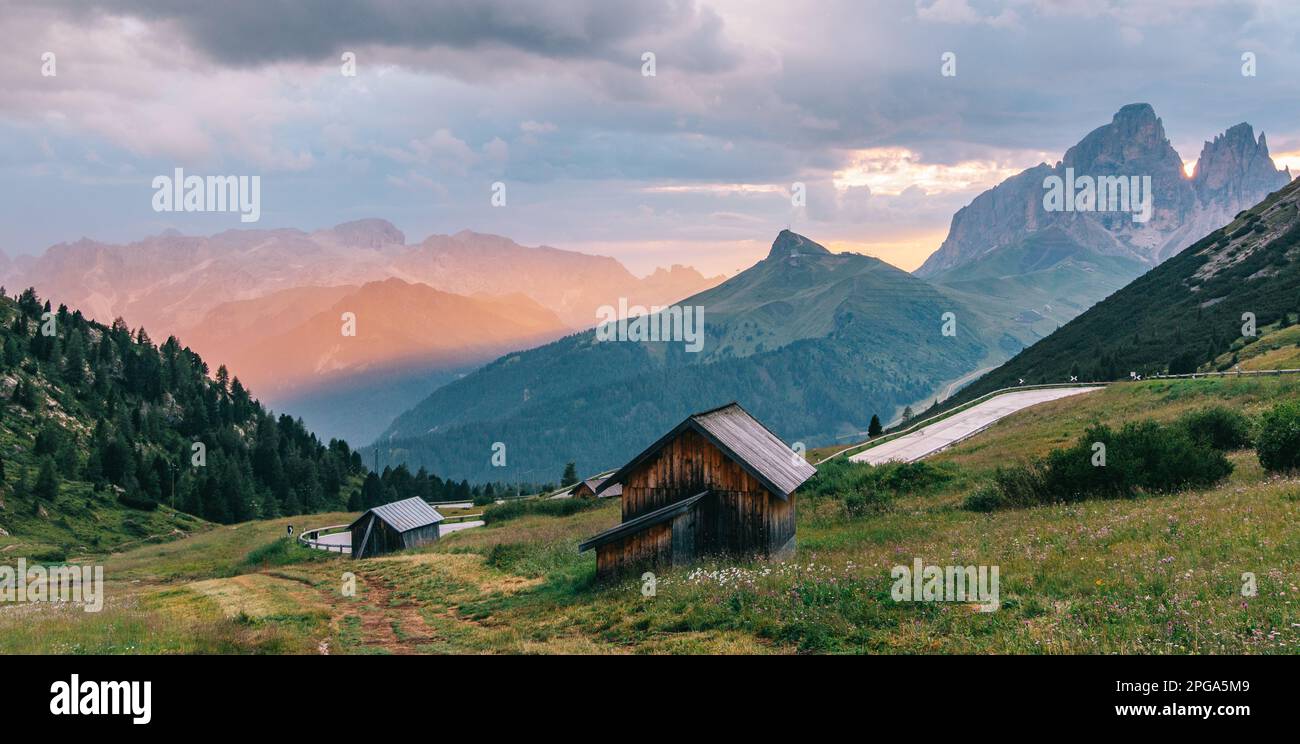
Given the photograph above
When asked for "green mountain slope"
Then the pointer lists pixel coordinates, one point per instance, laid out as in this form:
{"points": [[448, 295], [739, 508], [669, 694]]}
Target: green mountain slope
{"points": [[97, 434], [1046, 276], [1182, 314], [813, 343]]}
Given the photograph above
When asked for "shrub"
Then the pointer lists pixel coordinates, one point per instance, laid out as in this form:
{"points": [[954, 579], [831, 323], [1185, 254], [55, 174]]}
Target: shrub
{"points": [[840, 477], [1022, 485], [986, 498], [1277, 440], [133, 526], [1218, 427], [1184, 363], [864, 488], [1140, 457], [549, 507], [136, 502], [53, 554], [282, 552], [865, 501]]}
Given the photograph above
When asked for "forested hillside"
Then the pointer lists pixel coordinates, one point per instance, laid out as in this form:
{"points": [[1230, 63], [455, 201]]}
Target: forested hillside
{"points": [[102, 432]]}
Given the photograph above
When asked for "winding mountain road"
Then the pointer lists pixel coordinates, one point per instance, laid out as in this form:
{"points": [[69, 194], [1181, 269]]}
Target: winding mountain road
{"points": [[947, 432]]}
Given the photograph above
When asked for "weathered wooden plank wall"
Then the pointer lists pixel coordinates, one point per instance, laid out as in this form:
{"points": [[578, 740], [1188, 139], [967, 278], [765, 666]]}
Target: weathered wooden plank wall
{"points": [[739, 517], [647, 549], [684, 467]]}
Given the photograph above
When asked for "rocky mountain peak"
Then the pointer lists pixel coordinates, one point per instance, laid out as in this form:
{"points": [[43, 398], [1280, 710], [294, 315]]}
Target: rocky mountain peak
{"points": [[1233, 173], [1235, 163], [368, 233], [1135, 113], [1133, 141], [789, 244]]}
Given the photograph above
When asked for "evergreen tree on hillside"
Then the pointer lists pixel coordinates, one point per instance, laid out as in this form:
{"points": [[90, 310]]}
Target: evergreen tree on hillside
{"points": [[874, 429], [570, 475], [75, 360], [130, 414], [47, 483]]}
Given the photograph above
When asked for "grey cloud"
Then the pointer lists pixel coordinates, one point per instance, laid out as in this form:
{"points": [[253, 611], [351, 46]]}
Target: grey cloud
{"points": [[254, 32]]}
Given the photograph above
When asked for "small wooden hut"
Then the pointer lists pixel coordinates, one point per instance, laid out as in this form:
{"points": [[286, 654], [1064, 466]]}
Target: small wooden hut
{"points": [[402, 524], [720, 483], [587, 489]]}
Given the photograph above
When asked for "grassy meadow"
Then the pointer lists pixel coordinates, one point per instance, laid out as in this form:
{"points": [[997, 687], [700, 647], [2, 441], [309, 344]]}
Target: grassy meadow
{"points": [[1149, 575]]}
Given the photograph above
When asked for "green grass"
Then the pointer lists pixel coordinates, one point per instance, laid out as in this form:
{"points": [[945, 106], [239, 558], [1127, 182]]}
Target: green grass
{"points": [[223, 550], [517, 508], [1153, 574]]}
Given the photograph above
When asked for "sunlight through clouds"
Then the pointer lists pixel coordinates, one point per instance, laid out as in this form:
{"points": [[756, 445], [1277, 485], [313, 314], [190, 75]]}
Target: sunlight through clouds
{"points": [[893, 170]]}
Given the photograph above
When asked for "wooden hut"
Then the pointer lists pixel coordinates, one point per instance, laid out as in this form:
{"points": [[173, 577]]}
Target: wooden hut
{"points": [[720, 483], [402, 524], [587, 489]]}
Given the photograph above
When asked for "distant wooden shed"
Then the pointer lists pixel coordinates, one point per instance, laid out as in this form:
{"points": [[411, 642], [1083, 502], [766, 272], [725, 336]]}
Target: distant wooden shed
{"points": [[587, 489], [397, 526], [720, 483]]}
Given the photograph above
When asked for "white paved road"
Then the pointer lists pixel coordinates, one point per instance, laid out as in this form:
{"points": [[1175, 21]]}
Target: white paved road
{"points": [[930, 439]]}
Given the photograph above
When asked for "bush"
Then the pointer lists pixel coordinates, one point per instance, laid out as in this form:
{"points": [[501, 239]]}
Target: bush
{"points": [[51, 554], [866, 488], [840, 477], [1020, 486], [549, 507], [282, 551], [1277, 441], [864, 501], [131, 525], [1218, 427], [1185, 363], [986, 498], [136, 502], [1141, 457]]}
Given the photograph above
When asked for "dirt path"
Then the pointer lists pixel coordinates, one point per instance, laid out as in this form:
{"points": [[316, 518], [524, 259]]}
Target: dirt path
{"points": [[396, 628]]}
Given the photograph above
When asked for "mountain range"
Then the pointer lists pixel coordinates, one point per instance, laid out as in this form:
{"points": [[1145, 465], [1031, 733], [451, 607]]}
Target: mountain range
{"points": [[1181, 315], [814, 343], [1006, 247], [268, 303]]}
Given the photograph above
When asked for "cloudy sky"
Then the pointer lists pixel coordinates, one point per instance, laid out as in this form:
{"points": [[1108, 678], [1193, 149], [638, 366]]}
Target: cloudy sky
{"points": [[691, 165]]}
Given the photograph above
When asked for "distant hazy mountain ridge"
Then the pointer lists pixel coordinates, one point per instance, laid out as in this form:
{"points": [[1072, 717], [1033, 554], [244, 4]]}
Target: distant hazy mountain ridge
{"points": [[268, 303]]}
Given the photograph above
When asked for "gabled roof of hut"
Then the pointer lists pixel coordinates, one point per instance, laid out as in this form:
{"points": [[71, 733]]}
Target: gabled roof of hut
{"points": [[405, 515], [742, 438]]}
